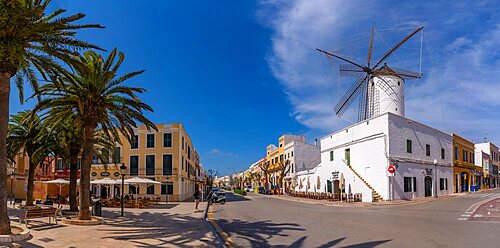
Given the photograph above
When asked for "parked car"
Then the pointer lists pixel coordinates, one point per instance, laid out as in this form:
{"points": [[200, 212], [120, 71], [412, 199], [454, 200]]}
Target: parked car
{"points": [[249, 188]]}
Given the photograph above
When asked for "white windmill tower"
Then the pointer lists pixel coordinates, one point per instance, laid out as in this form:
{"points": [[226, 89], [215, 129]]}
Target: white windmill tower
{"points": [[381, 87]]}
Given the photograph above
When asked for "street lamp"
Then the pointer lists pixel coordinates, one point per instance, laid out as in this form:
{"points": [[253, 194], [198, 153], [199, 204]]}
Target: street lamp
{"points": [[123, 170]]}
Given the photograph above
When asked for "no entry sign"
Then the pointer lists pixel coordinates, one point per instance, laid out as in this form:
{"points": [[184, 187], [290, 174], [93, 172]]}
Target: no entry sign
{"points": [[391, 169]]}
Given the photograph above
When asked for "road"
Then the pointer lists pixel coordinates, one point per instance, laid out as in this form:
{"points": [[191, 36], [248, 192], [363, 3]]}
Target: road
{"points": [[266, 221]]}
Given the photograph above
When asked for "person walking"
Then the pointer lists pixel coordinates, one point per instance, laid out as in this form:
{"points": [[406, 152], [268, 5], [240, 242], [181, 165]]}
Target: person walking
{"points": [[196, 198]]}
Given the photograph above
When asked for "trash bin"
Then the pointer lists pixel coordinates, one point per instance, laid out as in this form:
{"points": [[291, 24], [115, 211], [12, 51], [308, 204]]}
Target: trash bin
{"points": [[97, 209]]}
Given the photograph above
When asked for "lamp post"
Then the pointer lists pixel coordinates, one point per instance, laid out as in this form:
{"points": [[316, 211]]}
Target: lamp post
{"points": [[123, 170]]}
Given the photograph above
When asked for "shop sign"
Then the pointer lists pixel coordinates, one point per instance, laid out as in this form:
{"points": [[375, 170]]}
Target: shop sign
{"points": [[117, 174], [105, 174], [94, 174]]}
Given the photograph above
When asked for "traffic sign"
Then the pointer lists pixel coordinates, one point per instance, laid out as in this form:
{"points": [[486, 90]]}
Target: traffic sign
{"points": [[391, 169]]}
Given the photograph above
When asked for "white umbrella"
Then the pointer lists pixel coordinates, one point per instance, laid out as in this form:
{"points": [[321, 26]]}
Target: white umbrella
{"points": [[106, 182], [59, 182], [138, 180]]}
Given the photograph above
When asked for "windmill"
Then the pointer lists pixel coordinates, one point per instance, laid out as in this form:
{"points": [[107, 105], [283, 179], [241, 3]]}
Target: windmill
{"points": [[381, 87]]}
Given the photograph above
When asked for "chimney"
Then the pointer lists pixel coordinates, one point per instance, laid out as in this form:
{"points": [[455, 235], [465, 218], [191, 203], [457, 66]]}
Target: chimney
{"points": [[315, 142]]}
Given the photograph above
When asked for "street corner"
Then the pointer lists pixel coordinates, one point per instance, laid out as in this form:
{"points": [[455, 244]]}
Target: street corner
{"points": [[488, 211]]}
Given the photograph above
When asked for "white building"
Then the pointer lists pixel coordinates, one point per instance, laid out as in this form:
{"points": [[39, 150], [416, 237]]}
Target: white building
{"points": [[361, 153], [488, 156], [300, 156]]}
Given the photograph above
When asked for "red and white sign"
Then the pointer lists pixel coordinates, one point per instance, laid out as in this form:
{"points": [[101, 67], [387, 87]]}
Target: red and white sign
{"points": [[391, 169]]}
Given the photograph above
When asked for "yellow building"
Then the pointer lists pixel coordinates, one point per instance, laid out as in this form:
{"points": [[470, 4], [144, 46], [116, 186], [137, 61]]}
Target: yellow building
{"points": [[466, 174], [167, 156]]}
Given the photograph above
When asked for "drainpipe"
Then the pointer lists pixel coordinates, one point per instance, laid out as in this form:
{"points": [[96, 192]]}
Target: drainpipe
{"points": [[435, 178]]}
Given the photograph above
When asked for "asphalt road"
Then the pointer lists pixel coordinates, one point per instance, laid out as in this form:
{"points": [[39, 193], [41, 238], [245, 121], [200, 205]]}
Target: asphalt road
{"points": [[263, 221]]}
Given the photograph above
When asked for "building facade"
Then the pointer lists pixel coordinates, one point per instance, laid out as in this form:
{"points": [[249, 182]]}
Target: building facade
{"points": [[167, 156], [299, 156], [488, 156], [466, 175], [356, 158]]}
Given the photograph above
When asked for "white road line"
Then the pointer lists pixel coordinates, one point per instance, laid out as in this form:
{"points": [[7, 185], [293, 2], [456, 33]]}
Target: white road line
{"points": [[462, 218], [478, 215], [465, 215]]}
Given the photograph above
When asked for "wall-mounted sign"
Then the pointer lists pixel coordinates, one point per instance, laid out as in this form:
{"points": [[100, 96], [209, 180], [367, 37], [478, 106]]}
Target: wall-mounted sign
{"points": [[105, 174], [335, 175], [117, 174], [428, 172], [94, 174]]}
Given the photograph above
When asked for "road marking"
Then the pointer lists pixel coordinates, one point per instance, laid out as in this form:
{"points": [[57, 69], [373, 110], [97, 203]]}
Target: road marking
{"points": [[478, 215], [465, 215], [227, 240], [462, 218]]}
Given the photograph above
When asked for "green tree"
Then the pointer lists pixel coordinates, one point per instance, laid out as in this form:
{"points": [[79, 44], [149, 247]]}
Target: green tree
{"points": [[30, 41], [27, 134], [95, 94]]}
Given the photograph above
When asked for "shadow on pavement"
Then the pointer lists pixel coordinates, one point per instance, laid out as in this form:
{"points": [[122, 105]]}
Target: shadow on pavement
{"points": [[232, 197], [259, 233], [368, 244]]}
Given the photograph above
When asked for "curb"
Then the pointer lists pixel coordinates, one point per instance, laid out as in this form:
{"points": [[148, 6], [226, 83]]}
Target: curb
{"points": [[219, 242]]}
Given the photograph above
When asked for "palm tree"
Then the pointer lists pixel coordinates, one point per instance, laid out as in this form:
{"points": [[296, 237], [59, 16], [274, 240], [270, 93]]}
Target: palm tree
{"points": [[68, 146], [95, 94], [30, 41], [27, 135]]}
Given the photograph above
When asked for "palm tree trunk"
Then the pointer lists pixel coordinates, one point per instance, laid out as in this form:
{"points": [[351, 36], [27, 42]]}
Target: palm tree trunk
{"points": [[31, 183], [4, 122], [87, 154], [73, 174]]}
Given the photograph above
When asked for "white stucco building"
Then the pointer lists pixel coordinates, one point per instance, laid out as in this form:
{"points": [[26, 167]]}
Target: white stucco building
{"points": [[361, 153], [488, 156], [300, 156]]}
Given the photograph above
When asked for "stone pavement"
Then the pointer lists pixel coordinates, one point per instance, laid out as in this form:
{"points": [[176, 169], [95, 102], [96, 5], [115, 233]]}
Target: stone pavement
{"points": [[165, 225]]}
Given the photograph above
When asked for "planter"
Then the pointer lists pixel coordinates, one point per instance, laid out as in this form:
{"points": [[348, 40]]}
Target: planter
{"points": [[19, 233], [75, 221]]}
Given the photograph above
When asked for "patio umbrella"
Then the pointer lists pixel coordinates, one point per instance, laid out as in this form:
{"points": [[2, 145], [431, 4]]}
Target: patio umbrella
{"points": [[59, 182], [138, 181], [106, 182]]}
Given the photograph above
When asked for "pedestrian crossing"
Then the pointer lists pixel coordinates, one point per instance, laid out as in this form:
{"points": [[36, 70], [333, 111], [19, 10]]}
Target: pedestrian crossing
{"points": [[481, 195]]}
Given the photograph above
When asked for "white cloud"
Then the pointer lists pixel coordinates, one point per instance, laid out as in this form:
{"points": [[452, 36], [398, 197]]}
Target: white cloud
{"points": [[218, 153], [460, 92]]}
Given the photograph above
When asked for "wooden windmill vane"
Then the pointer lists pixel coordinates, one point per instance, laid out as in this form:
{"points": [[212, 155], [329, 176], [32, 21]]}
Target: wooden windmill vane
{"points": [[381, 87]]}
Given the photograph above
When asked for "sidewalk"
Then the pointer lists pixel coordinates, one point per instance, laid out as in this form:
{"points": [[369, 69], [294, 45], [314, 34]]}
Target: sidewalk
{"points": [[165, 225], [356, 204]]}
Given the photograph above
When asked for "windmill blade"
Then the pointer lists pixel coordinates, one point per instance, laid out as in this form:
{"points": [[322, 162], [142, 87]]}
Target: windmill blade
{"points": [[406, 74], [349, 70], [393, 49], [341, 58], [363, 103], [370, 49], [349, 97]]}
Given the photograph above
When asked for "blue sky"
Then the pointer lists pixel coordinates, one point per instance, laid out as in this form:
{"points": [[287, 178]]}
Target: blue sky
{"points": [[238, 74]]}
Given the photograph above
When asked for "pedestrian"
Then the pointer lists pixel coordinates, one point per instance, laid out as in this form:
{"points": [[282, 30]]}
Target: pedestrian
{"points": [[196, 198]]}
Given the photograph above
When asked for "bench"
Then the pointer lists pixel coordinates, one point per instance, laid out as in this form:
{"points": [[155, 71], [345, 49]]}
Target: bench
{"points": [[35, 213]]}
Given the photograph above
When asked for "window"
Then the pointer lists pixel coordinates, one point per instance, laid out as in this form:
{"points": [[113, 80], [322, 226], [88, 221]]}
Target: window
{"points": [[182, 142], [150, 190], [134, 143], [117, 155], [457, 151], [134, 165], [464, 155], [60, 165], [407, 184], [281, 158], [150, 165], [167, 140], [189, 152], [167, 164], [442, 153], [182, 162], [408, 146], [472, 157], [150, 140], [292, 154], [167, 188], [443, 183], [427, 150], [331, 155], [79, 163]]}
